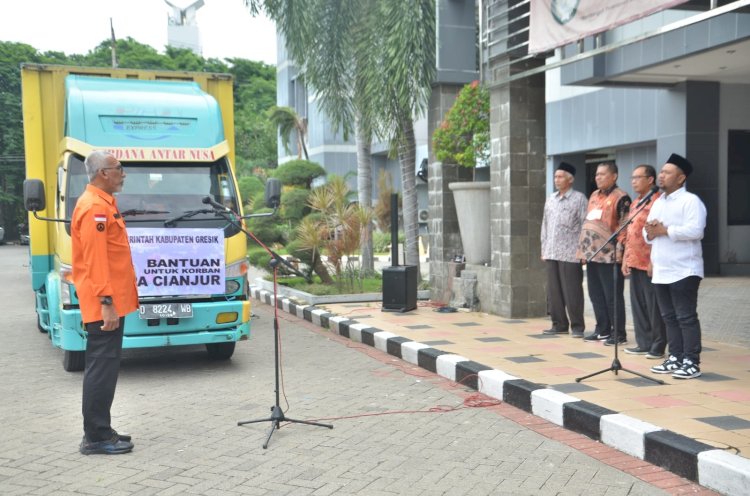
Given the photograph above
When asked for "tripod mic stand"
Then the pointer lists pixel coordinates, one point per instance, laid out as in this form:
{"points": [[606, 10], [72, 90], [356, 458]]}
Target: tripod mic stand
{"points": [[277, 414], [616, 365]]}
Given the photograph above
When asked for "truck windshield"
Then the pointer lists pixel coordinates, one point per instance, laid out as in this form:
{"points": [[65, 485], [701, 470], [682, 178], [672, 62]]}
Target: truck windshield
{"points": [[157, 191]]}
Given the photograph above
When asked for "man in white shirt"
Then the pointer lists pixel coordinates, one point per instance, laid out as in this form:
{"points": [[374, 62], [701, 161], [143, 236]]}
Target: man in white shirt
{"points": [[674, 229]]}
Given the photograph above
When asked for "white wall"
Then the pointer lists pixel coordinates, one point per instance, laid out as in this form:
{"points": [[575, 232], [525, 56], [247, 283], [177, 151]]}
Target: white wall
{"points": [[734, 241]]}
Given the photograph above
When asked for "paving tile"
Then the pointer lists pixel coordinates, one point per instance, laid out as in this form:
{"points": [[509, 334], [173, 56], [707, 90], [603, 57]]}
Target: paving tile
{"points": [[573, 387], [727, 422], [419, 326], [585, 355], [524, 359], [437, 343], [732, 395], [492, 339]]}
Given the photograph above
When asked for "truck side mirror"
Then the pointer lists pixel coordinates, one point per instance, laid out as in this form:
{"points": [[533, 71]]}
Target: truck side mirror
{"points": [[33, 195], [273, 193]]}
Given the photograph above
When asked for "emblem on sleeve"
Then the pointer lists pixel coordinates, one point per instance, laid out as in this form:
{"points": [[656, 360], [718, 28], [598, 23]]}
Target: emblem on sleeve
{"points": [[100, 227], [100, 218]]}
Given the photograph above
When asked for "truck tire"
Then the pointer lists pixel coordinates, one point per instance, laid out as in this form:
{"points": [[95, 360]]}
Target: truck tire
{"points": [[74, 361], [220, 351]]}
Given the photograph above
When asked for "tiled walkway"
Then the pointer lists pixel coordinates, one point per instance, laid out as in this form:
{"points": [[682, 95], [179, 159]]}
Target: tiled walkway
{"points": [[714, 408]]}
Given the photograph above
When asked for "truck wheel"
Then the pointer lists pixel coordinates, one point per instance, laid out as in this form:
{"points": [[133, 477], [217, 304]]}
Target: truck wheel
{"points": [[220, 351], [74, 361], [39, 324]]}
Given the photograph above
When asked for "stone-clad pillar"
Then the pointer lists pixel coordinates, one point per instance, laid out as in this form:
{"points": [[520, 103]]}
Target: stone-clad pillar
{"points": [[445, 239], [517, 175]]}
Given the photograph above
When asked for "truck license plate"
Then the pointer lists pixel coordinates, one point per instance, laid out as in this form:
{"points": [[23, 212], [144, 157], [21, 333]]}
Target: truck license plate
{"points": [[166, 311]]}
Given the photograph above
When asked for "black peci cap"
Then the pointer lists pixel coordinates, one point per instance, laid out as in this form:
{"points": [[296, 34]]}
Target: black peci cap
{"points": [[564, 166], [681, 162]]}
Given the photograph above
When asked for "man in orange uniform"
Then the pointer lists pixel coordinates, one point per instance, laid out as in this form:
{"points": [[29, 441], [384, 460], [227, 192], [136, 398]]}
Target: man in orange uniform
{"points": [[608, 206], [650, 333], [106, 287]]}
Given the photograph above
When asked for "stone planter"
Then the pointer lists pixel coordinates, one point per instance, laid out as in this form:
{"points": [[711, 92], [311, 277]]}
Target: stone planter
{"points": [[473, 211]]}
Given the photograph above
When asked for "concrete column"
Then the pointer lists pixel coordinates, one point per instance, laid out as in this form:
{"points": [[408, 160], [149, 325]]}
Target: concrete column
{"points": [[690, 127], [517, 129]]}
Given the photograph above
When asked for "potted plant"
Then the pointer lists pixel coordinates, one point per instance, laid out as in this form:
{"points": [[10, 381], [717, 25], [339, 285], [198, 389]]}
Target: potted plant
{"points": [[463, 139]]}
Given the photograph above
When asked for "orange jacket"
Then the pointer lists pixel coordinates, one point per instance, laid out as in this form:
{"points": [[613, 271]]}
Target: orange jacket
{"points": [[607, 210], [102, 265], [637, 251]]}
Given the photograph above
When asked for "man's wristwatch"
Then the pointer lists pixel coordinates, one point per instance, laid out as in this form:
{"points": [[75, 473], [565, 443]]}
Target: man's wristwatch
{"points": [[105, 300]]}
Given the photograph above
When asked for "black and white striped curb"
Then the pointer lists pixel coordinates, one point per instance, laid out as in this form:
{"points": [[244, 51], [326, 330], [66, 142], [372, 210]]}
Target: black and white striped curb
{"points": [[713, 468]]}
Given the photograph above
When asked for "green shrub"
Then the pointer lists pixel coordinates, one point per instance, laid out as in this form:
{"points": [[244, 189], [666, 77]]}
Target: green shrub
{"points": [[266, 229], [381, 241], [294, 204], [298, 173], [259, 257], [250, 186]]}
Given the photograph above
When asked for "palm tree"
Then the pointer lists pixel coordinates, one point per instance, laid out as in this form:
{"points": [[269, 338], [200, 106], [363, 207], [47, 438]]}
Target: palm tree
{"points": [[321, 37], [400, 85], [370, 63], [288, 121]]}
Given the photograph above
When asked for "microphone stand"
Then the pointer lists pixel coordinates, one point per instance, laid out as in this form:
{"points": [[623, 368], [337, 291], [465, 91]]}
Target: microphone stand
{"points": [[277, 414], [616, 365]]}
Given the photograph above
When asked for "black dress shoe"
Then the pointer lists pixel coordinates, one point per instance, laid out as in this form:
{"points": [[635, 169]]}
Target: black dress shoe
{"points": [[553, 331], [113, 446], [121, 436]]}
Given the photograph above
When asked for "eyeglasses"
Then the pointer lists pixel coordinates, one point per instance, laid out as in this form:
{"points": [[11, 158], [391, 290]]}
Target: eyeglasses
{"points": [[117, 168]]}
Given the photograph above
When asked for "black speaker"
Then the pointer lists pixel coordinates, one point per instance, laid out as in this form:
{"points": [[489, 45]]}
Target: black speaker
{"points": [[400, 288]]}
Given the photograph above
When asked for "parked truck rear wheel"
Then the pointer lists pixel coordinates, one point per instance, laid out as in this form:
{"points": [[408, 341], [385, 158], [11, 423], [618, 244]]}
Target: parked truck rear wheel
{"points": [[74, 361], [220, 351]]}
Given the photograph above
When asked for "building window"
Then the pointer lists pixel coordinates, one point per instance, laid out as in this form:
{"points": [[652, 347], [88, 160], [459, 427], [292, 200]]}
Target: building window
{"points": [[738, 178]]}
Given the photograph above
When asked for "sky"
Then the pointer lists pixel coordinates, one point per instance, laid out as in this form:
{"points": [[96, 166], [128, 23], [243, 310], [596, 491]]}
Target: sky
{"points": [[76, 26]]}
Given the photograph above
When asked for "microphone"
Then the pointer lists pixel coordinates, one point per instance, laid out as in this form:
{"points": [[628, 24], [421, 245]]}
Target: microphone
{"points": [[642, 201], [209, 201]]}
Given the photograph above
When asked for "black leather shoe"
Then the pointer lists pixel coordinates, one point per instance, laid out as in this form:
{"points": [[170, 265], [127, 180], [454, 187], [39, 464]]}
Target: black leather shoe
{"points": [[553, 331], [111, 447], [121, 436]]}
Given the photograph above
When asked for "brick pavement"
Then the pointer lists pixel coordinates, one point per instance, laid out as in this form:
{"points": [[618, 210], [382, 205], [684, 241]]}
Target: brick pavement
{"points": [[182, 410]]}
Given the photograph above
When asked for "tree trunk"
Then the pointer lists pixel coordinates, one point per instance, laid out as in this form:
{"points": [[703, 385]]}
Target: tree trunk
{"points": [[321, 270], [364, 192], [407, 151]]}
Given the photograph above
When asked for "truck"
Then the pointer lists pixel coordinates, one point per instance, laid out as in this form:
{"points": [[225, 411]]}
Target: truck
{"points": [[173, 132]]}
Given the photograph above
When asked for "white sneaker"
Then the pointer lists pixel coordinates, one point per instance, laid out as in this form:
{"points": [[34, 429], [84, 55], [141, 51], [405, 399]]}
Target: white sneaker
{"points": [[669, 365], [689, 370]]}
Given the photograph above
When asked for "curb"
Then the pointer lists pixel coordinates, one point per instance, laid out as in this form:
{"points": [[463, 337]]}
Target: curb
{"points": [[713, 468]]}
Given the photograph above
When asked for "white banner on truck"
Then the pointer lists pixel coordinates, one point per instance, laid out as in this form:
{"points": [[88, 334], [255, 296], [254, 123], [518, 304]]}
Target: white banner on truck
{"points": [[178, 262], [555, 23]]}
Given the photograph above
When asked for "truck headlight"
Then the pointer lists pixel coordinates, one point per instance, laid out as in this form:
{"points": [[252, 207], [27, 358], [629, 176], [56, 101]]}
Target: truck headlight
{"points": [[66, 284], [236, 270], [232, 286]]}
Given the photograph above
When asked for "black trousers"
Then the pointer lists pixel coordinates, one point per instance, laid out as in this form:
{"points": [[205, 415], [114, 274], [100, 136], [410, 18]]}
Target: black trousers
{"points": [[103, 353], [650, 332], [678, 303], [606, 288], [565, 292]]}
